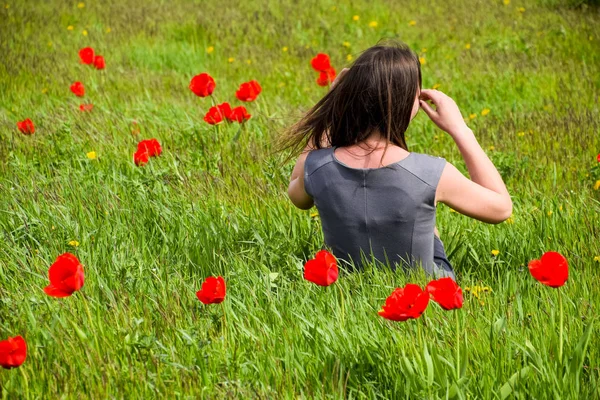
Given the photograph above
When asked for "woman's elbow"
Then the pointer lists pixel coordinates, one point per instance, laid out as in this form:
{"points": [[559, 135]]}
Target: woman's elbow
{"points": [[504, 211]]}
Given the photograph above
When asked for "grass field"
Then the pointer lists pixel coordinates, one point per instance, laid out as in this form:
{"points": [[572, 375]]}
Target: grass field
{"points": [[148, 236]]}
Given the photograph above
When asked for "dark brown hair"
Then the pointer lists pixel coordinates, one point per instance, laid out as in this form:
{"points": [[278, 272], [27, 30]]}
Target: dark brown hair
{"points": [[376, 94]]}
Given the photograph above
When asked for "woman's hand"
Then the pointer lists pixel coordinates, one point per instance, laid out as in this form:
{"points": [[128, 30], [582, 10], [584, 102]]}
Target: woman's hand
{"points": [[446, 114]]}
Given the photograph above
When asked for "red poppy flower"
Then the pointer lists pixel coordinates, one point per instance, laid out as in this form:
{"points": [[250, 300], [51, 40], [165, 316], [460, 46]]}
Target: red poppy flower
{"points": [[26, 127], [552, 269], [86, 55], [13, 352], [66, 276], [150, 146], [239, 114], [404, 303], [446, 293], [99, 62], [321, 62], [77, 89], [322, 269], [212, 291], [202, 85], [326, 77], [248, 91], [598, 157], [140, 157], [218, 113], [86, 107]]}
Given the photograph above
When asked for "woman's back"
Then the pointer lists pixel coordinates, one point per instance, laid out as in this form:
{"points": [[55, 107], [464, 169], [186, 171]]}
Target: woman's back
{"points": [[389, 211]]}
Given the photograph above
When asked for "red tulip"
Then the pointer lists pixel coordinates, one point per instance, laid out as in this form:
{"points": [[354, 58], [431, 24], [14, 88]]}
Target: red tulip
{"points": [[86, 107], [150, 146], [218, 113], [26, 127], [404, 303], [86, 55], [321, 62], [140, 158], [202, 85], [77, 89], [13, 352], [213, 290], [99, 62], [326, 77], [66, 276], [322, 269], [248, 91], [446, 293], [239, 114], [552, 269]]}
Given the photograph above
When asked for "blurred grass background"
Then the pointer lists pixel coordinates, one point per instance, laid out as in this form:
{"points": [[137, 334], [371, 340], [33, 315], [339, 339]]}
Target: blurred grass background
{"points": [[149, 236]]}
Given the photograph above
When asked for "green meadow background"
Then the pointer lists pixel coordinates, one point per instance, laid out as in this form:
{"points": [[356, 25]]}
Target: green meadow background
{"points": [[209, 205]]}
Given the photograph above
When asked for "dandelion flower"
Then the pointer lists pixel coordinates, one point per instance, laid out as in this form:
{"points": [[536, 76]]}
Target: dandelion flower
{"points": [[472, 116], [107, 30], [422, 60], [84, 32], [349, 57], [70, 28], [521, 9], [80, 5], [44, 90], [74, 243], [492, 148], [436, 85], [91, 155], [373, 24], [346, 44], [495, 252], [485, 111], [412, 23], [210, 49], [248, 61], [597, 258], [468, 46], [521, 134], [355, 18], [284, 49], [231, 59], [597, 185], [510, 220], [506, 2], [550, 213], [314, 214]]}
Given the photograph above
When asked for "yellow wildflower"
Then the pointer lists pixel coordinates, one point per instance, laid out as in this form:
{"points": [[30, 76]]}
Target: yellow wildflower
{"points": [[230, 60], [472, 116], [452, 210], [373, 24], [49, 44], [521, 9], [510, 220], [70, 27], [355, 18], [436, 85], [314, 214], [422, 60], [281, 84], [412, 23], [560, 208], [468, 46], [349, 57], [107, 30], [521, 134], [74, 243], [495, 252], [80, 5], [284, 49], [482, 303], [346, 44], [506, 2], [91, 155], [210, 49], [485, 111], [84, 32], [248, 61], [550, 213], [44, 90], [597, 185], [597, 258], [491, 148], [423, 50]]}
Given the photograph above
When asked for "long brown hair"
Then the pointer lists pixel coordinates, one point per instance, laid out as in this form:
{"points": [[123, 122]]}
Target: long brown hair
{"points": [[376, 94]]}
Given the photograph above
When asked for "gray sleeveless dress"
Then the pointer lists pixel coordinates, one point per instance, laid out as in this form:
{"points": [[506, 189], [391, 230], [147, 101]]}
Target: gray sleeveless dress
{"points": [[385, 214]]}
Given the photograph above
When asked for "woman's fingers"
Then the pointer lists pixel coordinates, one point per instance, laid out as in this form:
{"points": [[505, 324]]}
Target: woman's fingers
{"points": [[427, 108]]}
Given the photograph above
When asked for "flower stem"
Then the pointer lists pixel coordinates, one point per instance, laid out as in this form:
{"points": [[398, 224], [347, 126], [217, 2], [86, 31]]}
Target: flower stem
{"points": [[224, 325], [457, 345], [560, 339]]}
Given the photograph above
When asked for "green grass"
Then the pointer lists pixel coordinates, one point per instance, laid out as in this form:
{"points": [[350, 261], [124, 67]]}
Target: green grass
{"points": [[207, 206]]}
